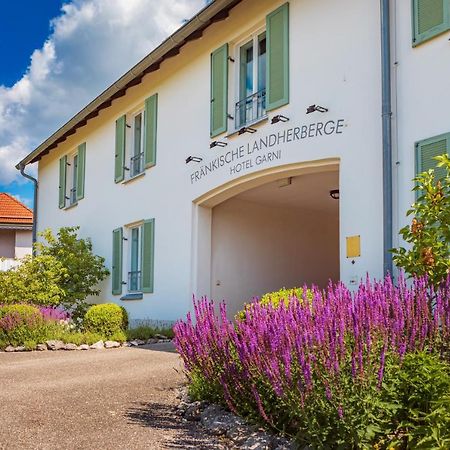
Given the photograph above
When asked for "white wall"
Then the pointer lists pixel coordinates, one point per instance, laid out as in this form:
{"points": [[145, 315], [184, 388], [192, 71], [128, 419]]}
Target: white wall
{"points": [[7, 242], [259, 248], [421, 99], [23, 243], [335, 62]]}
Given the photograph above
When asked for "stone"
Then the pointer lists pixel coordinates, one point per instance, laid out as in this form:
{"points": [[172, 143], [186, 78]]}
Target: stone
{"points": [[83, 347], [71, 347], [41, 348], [257, 441], [137, 342], [193, 411], [20, 348], [10, 348], [55, 345], [112, 344], [98, 345], [126, 344], [160, 336], [152, 341]]}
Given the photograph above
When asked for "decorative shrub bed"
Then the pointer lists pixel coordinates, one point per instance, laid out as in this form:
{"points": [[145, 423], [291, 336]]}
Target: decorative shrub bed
{"points": [[335, 369]]}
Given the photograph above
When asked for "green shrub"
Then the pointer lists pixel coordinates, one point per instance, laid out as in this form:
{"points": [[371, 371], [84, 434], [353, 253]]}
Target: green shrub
{"points": [[106, 319], [275, 298], [21, 323], [428, 235], [145, 332], [421, 390]]}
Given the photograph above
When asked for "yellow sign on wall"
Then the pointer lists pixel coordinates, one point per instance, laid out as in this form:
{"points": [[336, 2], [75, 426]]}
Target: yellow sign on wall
{"points": [[353, 246]]}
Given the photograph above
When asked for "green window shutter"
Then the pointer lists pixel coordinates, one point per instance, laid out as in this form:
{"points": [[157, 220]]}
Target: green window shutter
{"points": [[62, 181], [119, 165], [430, 18], [219, 91], [116, 270], [277, 33], [148, 255], [151, 119], [81, 170], [427, 150]]}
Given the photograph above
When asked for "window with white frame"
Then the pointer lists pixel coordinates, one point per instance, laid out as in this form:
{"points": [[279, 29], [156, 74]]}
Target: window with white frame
{"points": [[251, 76], [135, 143], [72, 163], [135, 258]]}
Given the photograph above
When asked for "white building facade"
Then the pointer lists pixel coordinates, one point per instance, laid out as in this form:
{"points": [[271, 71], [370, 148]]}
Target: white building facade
{"points": [[246, 152]]}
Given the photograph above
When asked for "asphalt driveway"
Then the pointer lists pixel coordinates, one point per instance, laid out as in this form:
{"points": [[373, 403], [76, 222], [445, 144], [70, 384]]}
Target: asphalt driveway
{"points": [[98, 399]]}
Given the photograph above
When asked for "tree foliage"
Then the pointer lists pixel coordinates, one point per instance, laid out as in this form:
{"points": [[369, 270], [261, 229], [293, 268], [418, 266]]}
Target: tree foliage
{"points": [[429, 232], [83, 269], [37, 280]]}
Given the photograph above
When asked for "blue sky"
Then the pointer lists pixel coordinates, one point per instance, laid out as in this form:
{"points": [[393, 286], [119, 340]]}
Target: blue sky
{"points": [[59, 55], [20, 34]]}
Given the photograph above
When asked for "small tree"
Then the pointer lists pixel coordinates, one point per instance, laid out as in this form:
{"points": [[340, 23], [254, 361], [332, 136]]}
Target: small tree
{"points": [[84, 269], [37, 280], [429, 232]]}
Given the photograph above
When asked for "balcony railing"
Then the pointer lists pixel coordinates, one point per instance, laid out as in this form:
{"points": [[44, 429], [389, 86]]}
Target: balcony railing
{"points": [[136, 164], [135, 281], [250, 109], [73, 195]]}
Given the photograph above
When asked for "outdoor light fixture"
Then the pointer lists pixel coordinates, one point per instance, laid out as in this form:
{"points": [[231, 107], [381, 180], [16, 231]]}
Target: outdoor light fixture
{"points": [[246, 130], [279, 118], [196, 159], [334, 194], [317, 108], [217, 144]]}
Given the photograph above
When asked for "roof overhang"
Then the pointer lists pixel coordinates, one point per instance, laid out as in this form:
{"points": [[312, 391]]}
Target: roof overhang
{"points": [[214, 12], [16, 226]]}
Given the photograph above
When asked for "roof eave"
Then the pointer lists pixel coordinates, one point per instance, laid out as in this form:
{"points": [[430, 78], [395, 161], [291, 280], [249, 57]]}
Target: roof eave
{"points": [[213, 12]]}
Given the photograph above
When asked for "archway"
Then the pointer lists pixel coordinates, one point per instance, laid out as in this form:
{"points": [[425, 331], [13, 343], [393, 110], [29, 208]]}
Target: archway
{"points": [[279, 228]]}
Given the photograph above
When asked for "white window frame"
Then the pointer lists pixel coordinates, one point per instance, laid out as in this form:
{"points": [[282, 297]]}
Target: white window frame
{"points": [[71, 179], [251, 36], [130, 150], [129, 253]]}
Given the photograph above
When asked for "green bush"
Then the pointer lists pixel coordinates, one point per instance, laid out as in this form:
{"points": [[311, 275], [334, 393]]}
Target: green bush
{"points": [[420, 388], [106, 319], [428, 235], [275, 298]]}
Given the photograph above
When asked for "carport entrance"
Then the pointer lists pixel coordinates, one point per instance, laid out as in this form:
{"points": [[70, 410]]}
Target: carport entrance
{"points": [[281, 233]]}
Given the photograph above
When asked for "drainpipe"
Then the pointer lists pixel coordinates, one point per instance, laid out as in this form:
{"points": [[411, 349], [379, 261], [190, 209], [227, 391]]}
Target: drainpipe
{"points": [[21, 167], [387, 135]]}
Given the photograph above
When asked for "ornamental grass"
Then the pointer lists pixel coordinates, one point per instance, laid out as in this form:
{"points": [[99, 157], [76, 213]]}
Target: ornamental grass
{"points": [[322, 368]]}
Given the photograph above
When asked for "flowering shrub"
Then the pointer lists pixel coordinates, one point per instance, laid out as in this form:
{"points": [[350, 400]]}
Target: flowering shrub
{"points": [[322, 369]]}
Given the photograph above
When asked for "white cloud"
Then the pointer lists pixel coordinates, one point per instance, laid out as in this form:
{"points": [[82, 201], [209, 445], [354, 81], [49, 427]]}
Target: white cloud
{"points": [[92, 43]]}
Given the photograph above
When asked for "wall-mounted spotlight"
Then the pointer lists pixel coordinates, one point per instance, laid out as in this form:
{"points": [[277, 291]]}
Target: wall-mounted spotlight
{"points": [[334, 194], [246, 130], [217, 144], [279, 118], [317, 108], [196, 159]]}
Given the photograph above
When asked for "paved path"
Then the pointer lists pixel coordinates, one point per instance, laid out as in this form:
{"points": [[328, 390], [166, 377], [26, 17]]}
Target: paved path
{"points": [[98, 399]]}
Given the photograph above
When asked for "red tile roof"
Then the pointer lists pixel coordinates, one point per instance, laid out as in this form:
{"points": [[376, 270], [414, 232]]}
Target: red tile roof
{"points": [[13, 211]]}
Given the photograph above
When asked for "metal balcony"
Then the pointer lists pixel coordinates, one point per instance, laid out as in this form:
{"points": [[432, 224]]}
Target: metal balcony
{"points": [[250, 109], [135, 281], [136, 164]]}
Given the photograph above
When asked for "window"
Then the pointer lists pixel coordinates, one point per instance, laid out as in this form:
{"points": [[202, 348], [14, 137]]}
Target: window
{"points": [[137, 243], [72, 188], [427, 150], [135, 259], [72, 177], [430, 18], [136, 148], [251, 104]]}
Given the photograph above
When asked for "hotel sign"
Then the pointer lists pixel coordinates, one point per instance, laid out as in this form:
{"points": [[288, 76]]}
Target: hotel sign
{"points": [[263, 150]]}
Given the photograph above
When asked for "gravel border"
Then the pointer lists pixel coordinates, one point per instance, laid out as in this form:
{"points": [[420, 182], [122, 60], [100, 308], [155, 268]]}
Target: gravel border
{"points": [[233, 431], [54, 345]]}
